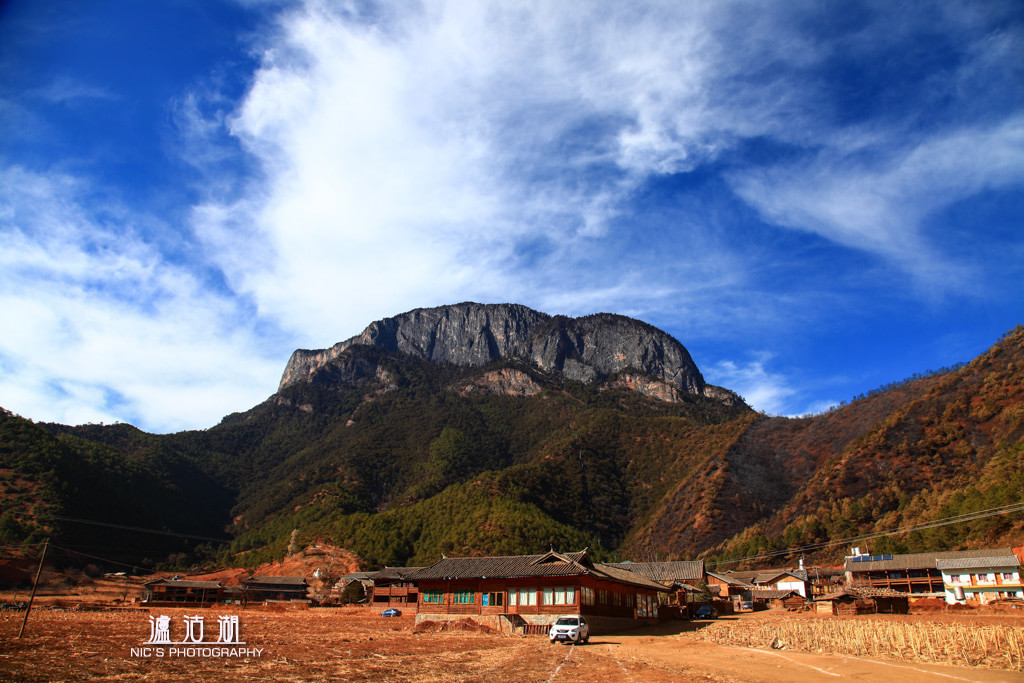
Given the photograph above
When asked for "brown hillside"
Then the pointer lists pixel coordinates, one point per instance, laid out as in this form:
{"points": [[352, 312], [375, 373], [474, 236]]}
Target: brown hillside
{"points": [[926, 450]]}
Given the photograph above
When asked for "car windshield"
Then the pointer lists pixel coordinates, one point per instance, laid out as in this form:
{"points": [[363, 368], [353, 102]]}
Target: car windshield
{"points": [[568, 621]]}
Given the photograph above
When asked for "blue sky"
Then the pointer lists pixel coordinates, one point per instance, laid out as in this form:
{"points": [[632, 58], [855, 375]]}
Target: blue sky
{"points": [[814, 198]]}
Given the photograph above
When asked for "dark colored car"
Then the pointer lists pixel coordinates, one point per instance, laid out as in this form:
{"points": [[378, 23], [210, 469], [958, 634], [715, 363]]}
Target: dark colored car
{"points": [[391, 612], [706, 612]]}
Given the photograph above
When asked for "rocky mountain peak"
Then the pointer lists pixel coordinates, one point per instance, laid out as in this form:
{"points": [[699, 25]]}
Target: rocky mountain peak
{"points": [[585, 349]]}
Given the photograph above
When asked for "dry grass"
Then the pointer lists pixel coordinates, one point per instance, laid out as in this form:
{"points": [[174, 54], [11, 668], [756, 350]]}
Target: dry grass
{"points": [[988, 646], [311, 645]]}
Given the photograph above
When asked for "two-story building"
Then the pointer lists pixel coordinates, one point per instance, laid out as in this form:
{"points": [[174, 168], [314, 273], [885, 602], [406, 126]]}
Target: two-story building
{"points": [[922, 575], [981, 580], [392, 587], [275, 589], [770, 579], [182, 592], [526, 593]]}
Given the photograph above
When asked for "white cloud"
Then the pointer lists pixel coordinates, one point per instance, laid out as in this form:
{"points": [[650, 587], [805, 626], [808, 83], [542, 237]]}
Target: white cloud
{"points": [[880, 205], [412, 154], [762, 389], [99, 326], [413, 159], [495, 151]]}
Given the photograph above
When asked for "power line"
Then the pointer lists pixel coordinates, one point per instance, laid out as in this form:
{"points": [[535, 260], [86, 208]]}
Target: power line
{"points": [[945, 521], [101, 559], [126, 527]]}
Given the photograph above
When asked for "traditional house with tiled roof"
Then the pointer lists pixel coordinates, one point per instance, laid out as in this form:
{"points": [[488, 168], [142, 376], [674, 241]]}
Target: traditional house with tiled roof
{"points": [[737, 585], [275, 588], [777, 599], [917, 574], [183, 592], [392, 587], [726, 586], [981, 579], [684, 578], [667, 573], [784, 580], [356, 587], [526, 593]]}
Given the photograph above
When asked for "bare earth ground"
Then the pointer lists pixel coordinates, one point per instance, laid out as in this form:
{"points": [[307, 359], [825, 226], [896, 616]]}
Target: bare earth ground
{"points": [[355, 644]]}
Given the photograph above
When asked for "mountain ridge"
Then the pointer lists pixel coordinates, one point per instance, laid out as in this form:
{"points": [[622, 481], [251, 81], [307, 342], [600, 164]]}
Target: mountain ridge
{"points": [[585, 349], [402, 456]]}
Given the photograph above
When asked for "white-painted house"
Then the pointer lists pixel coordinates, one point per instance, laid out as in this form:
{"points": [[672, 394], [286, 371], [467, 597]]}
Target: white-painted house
{"points": [[981, 579]]}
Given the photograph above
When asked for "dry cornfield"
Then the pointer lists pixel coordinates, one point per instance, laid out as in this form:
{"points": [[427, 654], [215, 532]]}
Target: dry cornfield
{"points": [[992, 646]]}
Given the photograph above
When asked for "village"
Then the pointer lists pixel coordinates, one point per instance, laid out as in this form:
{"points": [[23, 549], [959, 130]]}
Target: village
{"points": [[469, 618], [523, 594]]}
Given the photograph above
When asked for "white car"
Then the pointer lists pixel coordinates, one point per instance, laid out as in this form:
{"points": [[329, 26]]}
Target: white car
{"points": [[570, 628]]}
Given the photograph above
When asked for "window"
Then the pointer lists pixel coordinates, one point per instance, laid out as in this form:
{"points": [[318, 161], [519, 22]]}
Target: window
{"points": [[560, 595], [462, 597], [645, 606], [433, 595], [522, 597], [1008, 576], [587, 595], [494, 599]]}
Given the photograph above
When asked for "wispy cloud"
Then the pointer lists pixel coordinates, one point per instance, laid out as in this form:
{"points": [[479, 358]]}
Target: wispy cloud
{"points": [[720, 169], [100, 326], [764, 390], [418, 152], [880, 205]]}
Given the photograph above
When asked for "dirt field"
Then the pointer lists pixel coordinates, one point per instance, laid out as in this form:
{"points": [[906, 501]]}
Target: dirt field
{"points": [[352, 644]]}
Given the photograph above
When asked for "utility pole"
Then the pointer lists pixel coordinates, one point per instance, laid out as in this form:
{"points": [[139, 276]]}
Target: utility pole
{"points": [[34, 585]]}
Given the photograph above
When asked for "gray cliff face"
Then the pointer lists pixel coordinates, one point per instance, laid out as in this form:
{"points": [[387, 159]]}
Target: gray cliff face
{"points": [[586, 349]]}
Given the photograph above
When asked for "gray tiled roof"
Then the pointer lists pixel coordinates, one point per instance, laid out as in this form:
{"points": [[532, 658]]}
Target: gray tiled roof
{"points": [[989, 562], [393, 573], [924, 560], [359, 576], [185, 583], [507, 566], [729, 579], [760, 575], [523, 566], [625, 576], [683, 570], [278, 580]]}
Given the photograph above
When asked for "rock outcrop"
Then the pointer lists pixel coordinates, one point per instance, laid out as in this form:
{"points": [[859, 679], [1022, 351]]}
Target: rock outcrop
{"points": [[587, 349]]}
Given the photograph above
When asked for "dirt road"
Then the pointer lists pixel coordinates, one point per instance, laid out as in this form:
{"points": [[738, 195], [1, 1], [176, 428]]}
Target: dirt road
{"points": [[357, 645]]}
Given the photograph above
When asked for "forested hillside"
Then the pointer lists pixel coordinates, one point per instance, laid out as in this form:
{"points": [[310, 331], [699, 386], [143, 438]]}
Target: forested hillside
{"points": [[411, 459], [53, 477], [930, 450]]}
